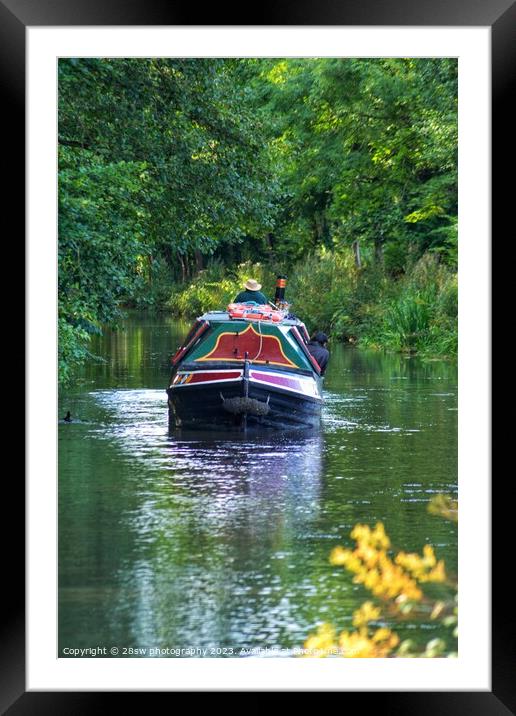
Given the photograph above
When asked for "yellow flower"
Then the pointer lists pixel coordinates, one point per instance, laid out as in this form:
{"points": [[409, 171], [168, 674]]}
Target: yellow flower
{"points": [[381, 634], [361, 533], [356, 645], [359, 645], [394, 580], [372, 578], [321, 643], [424, 569], [437, 574], [365, 614], [379, 536], [340, 556], [444, 506], [367, 554], [386, 638], [429, 556]]}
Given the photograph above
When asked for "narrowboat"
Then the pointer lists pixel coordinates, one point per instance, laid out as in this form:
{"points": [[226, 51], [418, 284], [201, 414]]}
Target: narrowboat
{"points": [[248, 366]]}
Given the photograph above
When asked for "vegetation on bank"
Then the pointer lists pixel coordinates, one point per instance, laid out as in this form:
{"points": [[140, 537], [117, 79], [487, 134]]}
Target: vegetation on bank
{"points": [[414, 314], [175, 175]]}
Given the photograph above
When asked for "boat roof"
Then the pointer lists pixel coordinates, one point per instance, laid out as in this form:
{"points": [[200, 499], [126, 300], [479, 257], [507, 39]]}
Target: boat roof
{"points": [[221, 316]]}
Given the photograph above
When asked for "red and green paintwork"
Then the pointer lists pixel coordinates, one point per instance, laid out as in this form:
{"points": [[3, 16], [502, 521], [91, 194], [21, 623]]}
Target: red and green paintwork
{"points": [[270, 344]]}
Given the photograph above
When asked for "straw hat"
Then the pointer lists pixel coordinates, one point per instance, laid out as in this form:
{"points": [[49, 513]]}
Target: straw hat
{"points": [[252, 285]]}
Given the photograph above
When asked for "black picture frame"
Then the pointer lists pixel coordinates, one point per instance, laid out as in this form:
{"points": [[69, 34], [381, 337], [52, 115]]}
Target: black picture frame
{"points": [[15, 17]]}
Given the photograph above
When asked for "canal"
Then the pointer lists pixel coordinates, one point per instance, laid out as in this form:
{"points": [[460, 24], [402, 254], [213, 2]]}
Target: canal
{"points": [[222, 541]]}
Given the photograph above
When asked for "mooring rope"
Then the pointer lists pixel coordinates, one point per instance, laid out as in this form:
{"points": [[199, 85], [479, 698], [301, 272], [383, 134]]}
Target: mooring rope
{"points": [[261, 341]]}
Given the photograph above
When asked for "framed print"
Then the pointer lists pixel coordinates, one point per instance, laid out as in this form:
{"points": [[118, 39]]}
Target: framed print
{"points": [[162, 561]]}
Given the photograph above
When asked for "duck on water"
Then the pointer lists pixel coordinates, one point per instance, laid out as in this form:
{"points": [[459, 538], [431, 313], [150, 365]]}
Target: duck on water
{"points": [[247, 366]]}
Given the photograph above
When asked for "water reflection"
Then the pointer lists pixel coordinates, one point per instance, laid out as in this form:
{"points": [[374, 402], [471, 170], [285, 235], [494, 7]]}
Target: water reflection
{"points": [[214, 526]]}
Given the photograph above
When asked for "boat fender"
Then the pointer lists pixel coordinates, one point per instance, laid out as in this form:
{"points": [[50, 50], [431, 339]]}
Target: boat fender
{"points": [[242, 405]]}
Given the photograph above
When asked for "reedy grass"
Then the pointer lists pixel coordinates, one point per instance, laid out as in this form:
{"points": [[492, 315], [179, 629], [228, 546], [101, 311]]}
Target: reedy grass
{"points": [[415, 313]]}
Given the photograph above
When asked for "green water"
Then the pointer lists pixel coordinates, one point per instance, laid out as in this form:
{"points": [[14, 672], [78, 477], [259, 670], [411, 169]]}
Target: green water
{"points": [[222, 541]]}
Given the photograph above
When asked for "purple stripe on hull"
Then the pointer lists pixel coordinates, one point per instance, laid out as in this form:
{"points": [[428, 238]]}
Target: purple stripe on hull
{"points": [[305, 386]]}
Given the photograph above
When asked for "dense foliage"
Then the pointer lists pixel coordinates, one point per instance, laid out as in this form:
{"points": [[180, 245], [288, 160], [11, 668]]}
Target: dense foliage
{"points": [[340, 172]]}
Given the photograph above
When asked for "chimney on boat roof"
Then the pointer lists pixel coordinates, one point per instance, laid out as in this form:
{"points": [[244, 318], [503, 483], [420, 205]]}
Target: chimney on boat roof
{"points": [[279, 296]]}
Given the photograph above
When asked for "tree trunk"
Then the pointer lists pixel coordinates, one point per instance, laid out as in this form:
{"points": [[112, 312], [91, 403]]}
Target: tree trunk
{"points": [[356, 252], [183, 268], [198, 261], [378, 250], [149, 269], [320, 227], [189, 266]]}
